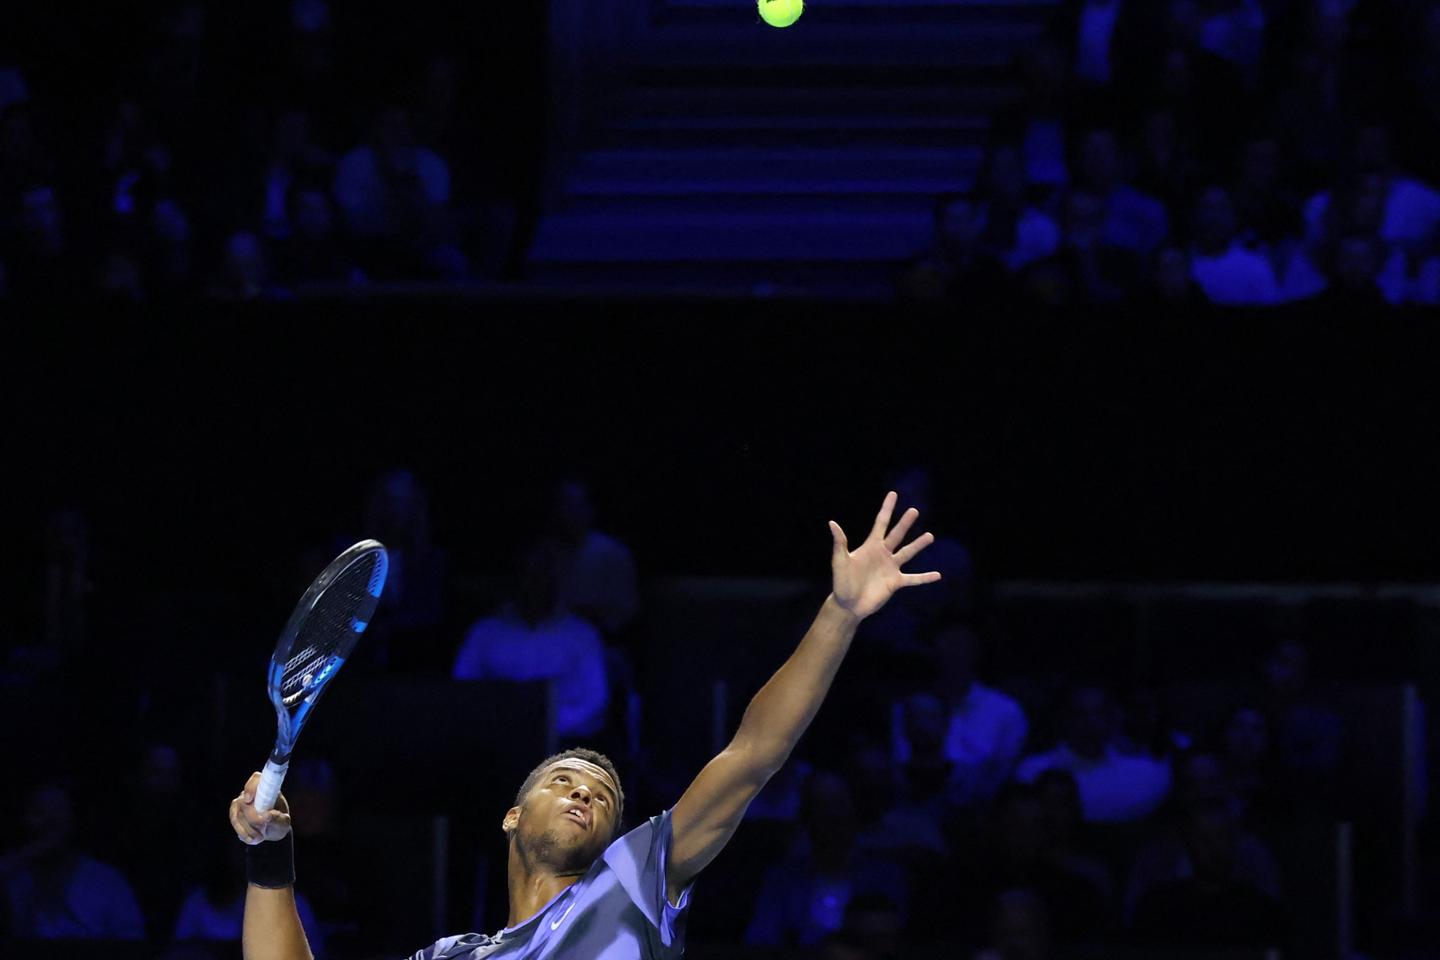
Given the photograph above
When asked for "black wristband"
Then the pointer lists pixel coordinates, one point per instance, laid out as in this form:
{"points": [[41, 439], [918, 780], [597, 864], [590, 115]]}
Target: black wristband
{"points": [[271, 864]]}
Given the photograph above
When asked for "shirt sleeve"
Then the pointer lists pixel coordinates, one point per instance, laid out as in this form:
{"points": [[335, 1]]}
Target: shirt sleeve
{"points": [[454, 946], [639, 859]]}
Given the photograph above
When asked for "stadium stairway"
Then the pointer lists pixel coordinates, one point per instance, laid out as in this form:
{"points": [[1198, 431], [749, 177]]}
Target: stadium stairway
{"points": [[734, 158]]}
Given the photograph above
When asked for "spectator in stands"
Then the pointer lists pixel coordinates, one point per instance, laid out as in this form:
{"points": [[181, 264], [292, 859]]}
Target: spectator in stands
{"points": [[1248, 760], [1146, 729], [24, 161], [314, 253], [1408, 209], [1308, 734], [395, 195], [296, 163], [1114, 788], [1200, 781], [1213, 907], [913, 809], [1039, 118], [1355, 274], [136, 164], [1134, 221], [803, 898], [245, 271], [1172, 282], [1019, 928], [13, 88], [1013, 231], [212, 911], [56, 892], [597, 571], [1017, 854], [1267, 209], [159, 862], [1063, 821], [534, 638], [1228, 273], [1108, 38], [169, 261], [1234, 31], [956, 265], [876, 924], [42, 263], [1311, 110], [1091, 267], [978, 731], [1165, 166]]}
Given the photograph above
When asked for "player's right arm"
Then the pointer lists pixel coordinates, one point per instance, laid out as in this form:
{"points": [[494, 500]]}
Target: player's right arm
{"points": [[271, 929]]}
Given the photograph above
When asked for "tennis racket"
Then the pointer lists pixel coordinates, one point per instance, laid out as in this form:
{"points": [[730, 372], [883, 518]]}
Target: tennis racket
{"points": [[322, 631]]}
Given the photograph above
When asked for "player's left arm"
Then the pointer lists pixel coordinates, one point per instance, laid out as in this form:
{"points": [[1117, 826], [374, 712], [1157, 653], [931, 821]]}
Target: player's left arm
{"points": [[705, 818]]}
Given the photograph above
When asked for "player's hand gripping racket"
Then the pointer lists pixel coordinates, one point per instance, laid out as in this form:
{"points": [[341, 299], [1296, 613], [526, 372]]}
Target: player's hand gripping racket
{"points": [[320, 635]]}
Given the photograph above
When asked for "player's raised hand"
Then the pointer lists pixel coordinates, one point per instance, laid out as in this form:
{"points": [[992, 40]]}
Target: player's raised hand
{"points": [[250, 824], [868, 576]]}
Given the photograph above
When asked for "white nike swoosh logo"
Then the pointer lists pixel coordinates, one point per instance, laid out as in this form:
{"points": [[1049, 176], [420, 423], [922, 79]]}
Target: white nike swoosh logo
{"points": [[555, 924]]}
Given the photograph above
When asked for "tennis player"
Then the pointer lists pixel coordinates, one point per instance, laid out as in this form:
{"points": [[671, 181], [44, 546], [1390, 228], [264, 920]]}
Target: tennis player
{"points": [[577, 892]]}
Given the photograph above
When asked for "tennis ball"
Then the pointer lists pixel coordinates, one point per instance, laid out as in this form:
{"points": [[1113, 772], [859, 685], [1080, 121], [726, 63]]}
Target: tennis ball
{"points": [[781, 13]]}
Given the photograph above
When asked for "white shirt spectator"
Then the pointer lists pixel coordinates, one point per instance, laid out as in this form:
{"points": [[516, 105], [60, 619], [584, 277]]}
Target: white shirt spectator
{"points": [[986, 734], [1114, 788], [1097, 33], [597, 577], [1236, 278], [562, 648]]}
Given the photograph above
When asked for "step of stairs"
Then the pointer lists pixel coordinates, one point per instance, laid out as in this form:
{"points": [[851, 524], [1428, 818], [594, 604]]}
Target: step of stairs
{"points": [[741, 158]]}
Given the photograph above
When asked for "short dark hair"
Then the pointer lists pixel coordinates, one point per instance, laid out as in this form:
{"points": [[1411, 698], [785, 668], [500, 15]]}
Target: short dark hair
{"points": [[589, 756]]}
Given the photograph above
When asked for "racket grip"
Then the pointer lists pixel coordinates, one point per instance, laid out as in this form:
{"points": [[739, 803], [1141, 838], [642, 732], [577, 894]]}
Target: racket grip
{"points": [[270, 779]]}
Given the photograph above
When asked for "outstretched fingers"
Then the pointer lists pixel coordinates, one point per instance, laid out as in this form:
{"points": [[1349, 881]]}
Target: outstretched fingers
{"points": [[842, 546], [916, 579], [882, 519], [907, 553], [897, 536]]}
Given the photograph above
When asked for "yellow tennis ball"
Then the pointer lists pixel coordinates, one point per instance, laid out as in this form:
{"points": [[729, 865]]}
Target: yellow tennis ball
{"points": [[781, 13]]}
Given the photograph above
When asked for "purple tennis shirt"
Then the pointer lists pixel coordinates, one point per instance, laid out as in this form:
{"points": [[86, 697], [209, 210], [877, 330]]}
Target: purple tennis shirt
{"points": [[617, 911]]}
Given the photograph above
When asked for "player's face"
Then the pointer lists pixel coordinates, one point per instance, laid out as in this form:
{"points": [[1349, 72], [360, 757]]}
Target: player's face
{"points": [[569, 816]]}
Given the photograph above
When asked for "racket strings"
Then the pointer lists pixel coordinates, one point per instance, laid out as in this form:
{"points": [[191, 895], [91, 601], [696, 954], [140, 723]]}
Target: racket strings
{"points": [[330, 631]]}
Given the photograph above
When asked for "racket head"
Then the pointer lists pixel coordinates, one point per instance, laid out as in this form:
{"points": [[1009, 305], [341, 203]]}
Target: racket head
{"points": [[320, 635]]}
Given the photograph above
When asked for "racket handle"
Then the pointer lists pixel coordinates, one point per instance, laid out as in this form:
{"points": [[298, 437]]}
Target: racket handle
{"points": [[270, 779]]}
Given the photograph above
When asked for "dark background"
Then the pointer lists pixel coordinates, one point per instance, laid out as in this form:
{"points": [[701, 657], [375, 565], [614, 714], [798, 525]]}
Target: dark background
{"points": [[720, 437]]}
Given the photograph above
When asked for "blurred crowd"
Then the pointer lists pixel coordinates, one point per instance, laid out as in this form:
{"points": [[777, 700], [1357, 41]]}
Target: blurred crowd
{"points": [[934, 803], [1231, 152], [181, 170]]}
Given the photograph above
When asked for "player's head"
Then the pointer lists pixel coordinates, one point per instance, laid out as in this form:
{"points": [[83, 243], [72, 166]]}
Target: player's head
{"points": [[567, 811]]}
